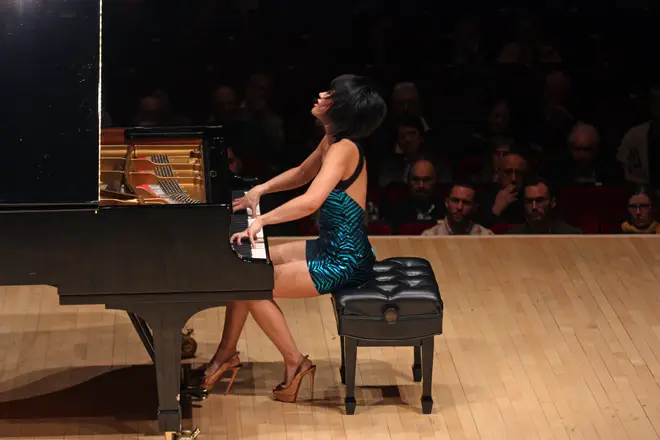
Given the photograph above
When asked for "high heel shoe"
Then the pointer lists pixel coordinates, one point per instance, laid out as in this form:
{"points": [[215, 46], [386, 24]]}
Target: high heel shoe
{"points": [[289, 393], [211, 379]]}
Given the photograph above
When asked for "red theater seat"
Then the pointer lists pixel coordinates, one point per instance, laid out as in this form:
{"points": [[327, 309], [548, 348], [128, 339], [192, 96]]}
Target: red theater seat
{"points": [[379, 228], [373, 196], [395, 193], [415, 228], [610, 227], [502, 228], [587, 225], [595, 203], [470, 165]]}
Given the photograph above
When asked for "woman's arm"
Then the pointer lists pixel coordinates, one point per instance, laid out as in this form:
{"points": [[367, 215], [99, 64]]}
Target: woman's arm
{"points": [[332, 170], [295, 177]]}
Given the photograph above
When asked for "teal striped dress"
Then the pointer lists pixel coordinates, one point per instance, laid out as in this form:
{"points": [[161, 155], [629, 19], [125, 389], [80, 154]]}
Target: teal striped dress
{"points": [[342, 255]]}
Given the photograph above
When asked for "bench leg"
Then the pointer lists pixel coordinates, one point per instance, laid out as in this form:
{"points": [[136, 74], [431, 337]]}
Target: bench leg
{"points": [[351, 361], [342, 369], [427, 373], [417, 364]]}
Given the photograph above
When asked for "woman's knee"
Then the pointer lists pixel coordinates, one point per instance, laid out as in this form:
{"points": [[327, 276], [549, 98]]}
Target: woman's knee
{"points": [[288, 252], [250, 303], [293, 280]]}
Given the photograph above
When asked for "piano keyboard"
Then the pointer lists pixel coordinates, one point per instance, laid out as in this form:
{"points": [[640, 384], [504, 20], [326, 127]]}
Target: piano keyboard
{"points": [[240, 221]]}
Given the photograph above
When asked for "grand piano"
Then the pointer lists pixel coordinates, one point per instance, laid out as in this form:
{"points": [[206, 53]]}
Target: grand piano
{"points": [[136, 219]]}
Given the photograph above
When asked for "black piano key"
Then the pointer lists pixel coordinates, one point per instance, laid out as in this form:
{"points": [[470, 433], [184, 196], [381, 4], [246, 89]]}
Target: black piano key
{"points": [[244, 249], [239, 223]]}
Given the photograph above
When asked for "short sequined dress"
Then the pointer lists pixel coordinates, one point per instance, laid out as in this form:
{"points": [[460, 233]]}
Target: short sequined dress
{"points": [[341, 256]]}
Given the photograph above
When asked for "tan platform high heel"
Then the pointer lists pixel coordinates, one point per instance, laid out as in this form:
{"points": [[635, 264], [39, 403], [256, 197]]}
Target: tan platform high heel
{"points": [[289, 393], [212, 379]]}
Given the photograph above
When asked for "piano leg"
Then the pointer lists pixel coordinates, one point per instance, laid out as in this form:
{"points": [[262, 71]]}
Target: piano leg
{"points": [[188, 346], [144, 333], [166, 322]]}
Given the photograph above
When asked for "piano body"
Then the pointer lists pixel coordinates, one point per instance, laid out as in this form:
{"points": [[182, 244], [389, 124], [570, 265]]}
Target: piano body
{"points": [[137, 219]]}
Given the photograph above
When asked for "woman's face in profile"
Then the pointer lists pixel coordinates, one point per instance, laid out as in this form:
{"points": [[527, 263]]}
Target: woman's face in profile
{"points": [[322, 105]]}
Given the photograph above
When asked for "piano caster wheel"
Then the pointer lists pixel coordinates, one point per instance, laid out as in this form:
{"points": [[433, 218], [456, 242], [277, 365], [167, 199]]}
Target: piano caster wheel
{"points": [[188, 345], [183, 435]]}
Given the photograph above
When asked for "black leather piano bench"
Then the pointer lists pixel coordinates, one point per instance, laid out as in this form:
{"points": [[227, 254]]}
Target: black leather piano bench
{"points": [[400, 306]]}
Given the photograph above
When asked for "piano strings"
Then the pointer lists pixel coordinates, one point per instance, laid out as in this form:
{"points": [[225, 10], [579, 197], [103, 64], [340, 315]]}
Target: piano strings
{"points": [[148, 172]]}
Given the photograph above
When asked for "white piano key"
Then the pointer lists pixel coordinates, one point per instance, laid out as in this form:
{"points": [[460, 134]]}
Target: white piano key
{"points": [[259, 251]]}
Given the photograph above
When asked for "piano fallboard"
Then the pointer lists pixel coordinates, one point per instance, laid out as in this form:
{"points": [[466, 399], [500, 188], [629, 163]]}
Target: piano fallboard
{"points": [[138, 252]]}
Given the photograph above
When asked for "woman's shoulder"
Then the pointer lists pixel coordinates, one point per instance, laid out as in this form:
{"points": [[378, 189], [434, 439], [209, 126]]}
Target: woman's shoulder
{"points": [[344, 148]]}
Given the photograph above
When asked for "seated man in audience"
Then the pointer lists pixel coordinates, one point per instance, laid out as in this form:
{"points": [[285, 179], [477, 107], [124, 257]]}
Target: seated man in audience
{"points": [[502, 203], [246, 137], [423, 202], [639, 152], [642, 211], [493, 162], [395, 165], [461, 211], [407, 100], [584, 164], [540, 217], [156, 109]]}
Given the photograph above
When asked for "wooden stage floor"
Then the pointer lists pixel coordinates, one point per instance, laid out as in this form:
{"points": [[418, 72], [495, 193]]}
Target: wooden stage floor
{"points": [[545, 338]]}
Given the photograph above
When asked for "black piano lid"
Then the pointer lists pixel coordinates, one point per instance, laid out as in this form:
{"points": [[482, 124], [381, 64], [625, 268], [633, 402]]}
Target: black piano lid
{"points": [[49, 112]]}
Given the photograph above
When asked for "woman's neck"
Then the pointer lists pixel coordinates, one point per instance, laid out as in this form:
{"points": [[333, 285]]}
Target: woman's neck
{"points": [[331, 138]]}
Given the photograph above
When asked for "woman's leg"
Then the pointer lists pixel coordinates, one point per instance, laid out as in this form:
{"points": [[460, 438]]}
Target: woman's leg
{"points": [[235, 317], [287, 252], [292, 280], [237, 311]]}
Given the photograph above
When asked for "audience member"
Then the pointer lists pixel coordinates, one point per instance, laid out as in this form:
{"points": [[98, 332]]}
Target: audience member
{"points": [[642, 212], [156, 109], [410, 142], [501, 203], [556, 119], [461, 211], [583, 164], [245, 137], [497, 129], [530, 48], [467, 41], [540, 216], [225, 105], [493, 164], [256, 108], [406, 100], [639, 153], [422, 204]]}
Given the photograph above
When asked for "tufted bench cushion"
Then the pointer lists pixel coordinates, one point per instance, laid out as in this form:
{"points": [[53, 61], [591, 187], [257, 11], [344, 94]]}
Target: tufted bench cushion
{"points": [[400, 305], [402, 291]]}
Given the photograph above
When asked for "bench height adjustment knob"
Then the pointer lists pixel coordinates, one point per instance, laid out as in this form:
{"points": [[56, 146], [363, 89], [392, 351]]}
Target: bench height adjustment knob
{"points": [[391, 315]]}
